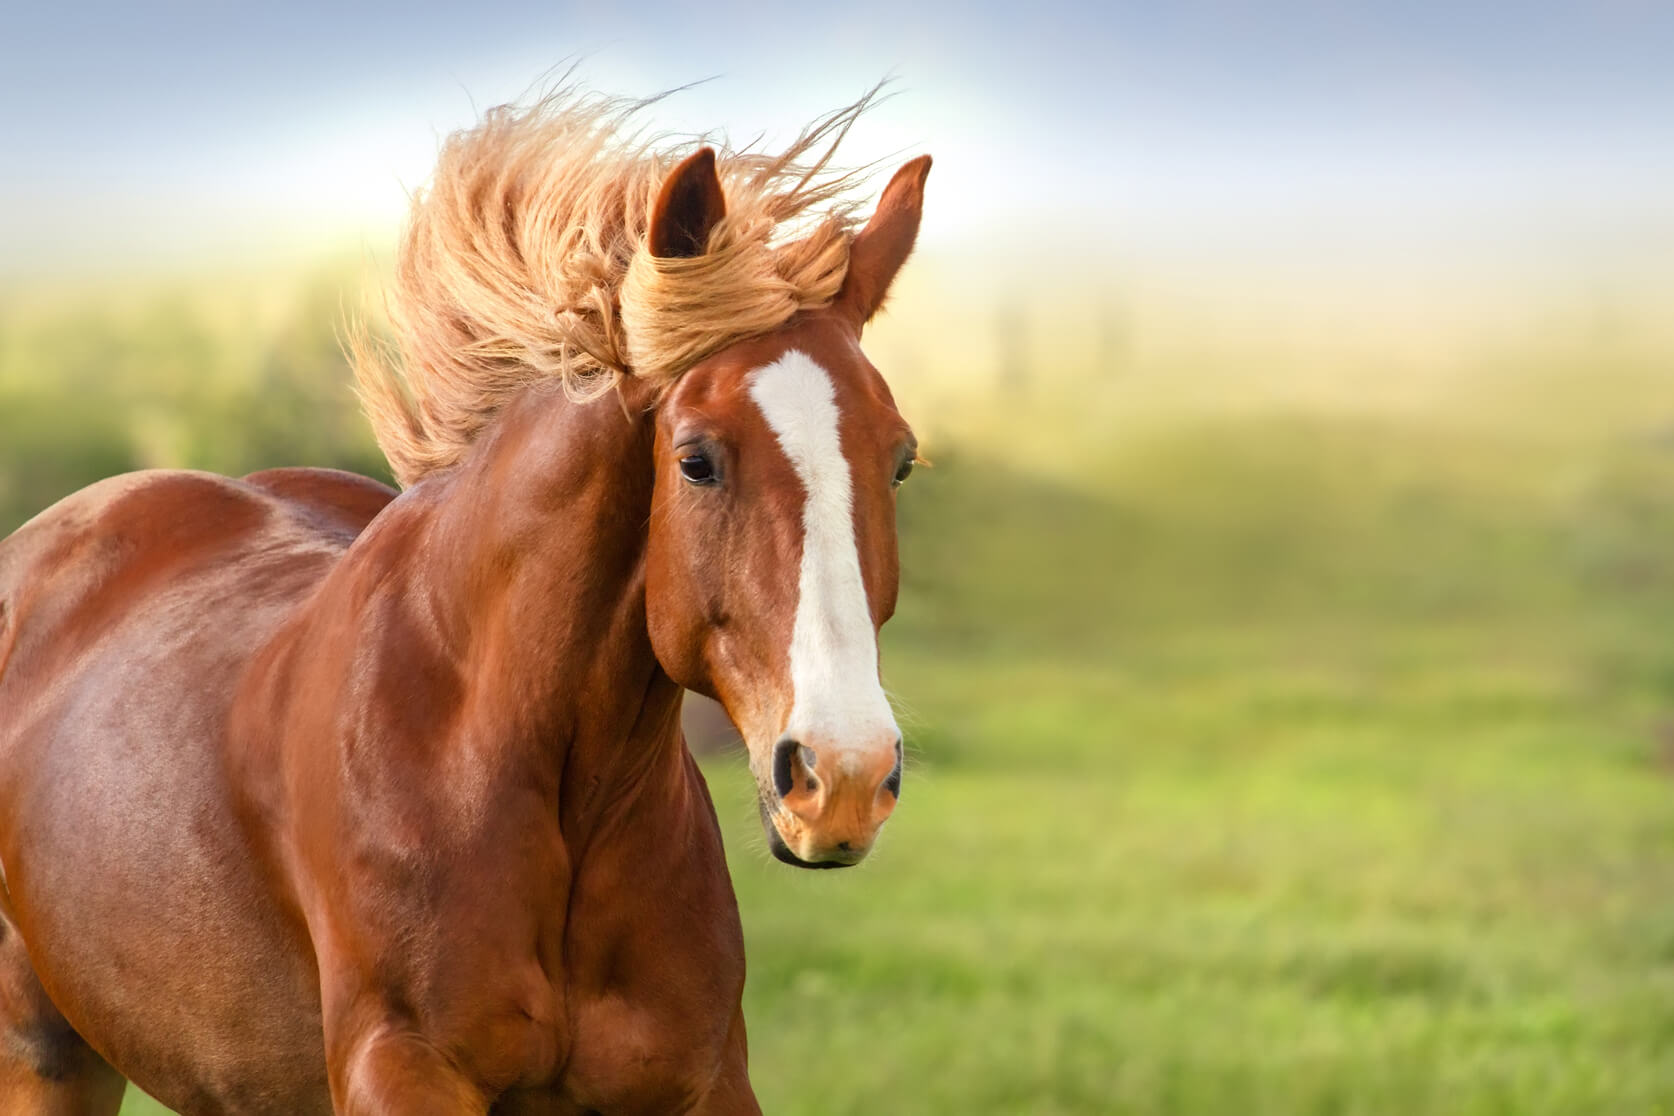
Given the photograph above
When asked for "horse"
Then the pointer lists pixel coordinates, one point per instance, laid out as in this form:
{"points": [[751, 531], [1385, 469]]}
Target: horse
{"points": [[317, 796]]}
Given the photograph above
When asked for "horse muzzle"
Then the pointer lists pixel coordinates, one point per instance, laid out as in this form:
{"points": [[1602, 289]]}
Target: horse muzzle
{"points": [[829, 802]]}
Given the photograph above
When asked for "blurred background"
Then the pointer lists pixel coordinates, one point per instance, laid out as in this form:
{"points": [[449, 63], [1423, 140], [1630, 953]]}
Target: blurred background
{"points": [[1284, 646]]}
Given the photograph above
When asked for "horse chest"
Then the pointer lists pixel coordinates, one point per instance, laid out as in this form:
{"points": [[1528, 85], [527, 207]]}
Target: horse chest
{"points": [[655, 979]]}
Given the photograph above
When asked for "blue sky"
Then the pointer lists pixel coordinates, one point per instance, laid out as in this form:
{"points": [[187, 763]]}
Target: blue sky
{"points": [[165, 131]]}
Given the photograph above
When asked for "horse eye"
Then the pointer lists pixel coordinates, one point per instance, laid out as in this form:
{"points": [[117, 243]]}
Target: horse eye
{"points": [[901, 474], [698, 469]]}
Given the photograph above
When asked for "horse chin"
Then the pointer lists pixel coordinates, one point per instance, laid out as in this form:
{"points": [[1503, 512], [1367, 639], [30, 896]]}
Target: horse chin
{"points": [[782, 852]]}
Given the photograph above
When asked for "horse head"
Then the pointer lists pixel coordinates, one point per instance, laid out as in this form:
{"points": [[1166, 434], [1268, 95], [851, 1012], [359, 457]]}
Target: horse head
{"points": [[772, 559]]}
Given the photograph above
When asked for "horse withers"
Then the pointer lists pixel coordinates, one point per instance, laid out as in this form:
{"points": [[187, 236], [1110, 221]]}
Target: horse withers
{"points": [[315, 797]]}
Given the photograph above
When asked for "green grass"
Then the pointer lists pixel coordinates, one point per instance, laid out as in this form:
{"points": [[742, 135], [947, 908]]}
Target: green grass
{"points": [[1277, 904]]}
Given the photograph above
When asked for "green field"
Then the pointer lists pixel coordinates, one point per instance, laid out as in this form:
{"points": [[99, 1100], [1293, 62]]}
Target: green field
{"points": [[1307, 755]]}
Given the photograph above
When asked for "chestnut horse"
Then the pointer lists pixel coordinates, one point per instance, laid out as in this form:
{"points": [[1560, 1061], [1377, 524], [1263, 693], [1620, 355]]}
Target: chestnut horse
{"points": [[315, 797]]}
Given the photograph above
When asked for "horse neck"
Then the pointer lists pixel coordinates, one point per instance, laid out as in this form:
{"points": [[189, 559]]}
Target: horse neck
{"points": [[534, 574]]}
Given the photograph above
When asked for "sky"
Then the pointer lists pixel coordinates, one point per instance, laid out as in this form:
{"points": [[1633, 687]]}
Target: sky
{"points": [[1535, 134]]}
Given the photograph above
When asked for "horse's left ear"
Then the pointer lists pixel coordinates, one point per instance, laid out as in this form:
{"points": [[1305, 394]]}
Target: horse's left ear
{"points": [[884, 244], [688, 208]]}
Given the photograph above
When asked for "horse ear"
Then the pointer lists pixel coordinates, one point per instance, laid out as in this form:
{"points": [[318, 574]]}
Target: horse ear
{"points": [[885, 243], [688, 208]]}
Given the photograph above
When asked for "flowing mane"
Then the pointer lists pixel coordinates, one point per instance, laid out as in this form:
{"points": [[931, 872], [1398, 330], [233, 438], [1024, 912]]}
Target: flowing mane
{"points": [[526, 261]]}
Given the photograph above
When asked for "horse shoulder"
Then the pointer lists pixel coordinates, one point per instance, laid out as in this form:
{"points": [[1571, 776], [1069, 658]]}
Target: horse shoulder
{"points": [[350, 778]]}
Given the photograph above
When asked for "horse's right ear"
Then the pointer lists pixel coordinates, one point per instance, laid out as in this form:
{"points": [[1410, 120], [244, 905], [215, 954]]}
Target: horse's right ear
{"points": [[884, 244], [688, 208]]}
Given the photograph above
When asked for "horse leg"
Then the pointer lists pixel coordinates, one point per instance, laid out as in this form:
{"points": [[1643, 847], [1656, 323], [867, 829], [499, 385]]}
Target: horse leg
{"points": [[389, 1072], [45, 1067]]}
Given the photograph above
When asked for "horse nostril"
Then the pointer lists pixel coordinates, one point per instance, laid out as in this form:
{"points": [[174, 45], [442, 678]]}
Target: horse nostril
{"points": [[783, 752], [893, 783]]}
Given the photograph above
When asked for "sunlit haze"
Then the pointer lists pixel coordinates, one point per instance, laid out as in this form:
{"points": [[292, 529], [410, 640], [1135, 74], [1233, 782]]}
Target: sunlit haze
{"points": [[1314, 138]]}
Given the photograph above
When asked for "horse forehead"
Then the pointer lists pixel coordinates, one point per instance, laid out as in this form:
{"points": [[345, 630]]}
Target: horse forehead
{"points": [[807, 399], [800, 400]]}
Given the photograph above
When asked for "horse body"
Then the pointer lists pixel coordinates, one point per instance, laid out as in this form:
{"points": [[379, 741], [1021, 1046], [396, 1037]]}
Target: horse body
{"points": [[318, 798], [316, 771]]}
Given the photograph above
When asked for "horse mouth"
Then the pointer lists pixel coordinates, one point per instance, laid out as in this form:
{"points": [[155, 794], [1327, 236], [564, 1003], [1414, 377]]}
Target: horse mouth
{"points": [[782, 851]]}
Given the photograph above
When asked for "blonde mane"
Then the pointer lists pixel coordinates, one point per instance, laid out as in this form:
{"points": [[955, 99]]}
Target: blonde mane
{"points": [[526, 261]]}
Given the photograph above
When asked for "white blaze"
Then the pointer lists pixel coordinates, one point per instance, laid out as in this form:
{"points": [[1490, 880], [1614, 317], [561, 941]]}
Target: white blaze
{"points": [[837, 700]]}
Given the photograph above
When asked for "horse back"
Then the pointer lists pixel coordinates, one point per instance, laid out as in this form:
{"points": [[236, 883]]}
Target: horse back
{"points": [[109, 549]]}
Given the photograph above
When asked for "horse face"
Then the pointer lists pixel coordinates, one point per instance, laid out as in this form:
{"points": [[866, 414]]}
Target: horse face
{"points": [[773, 565], [772, 558]]}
